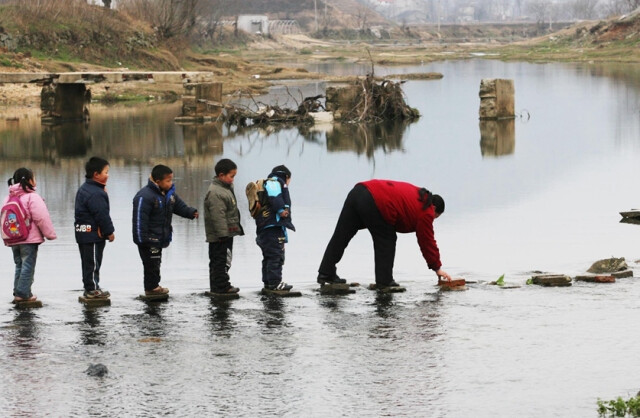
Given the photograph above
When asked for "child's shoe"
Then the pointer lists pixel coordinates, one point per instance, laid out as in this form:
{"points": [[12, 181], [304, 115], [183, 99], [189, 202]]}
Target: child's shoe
{"points": [[282, 286], [157, 291], [97, 294], [33, 298]]}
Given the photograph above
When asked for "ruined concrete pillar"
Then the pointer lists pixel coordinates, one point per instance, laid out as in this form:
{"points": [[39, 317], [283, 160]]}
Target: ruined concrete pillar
{"points": [[65, 102], [497, 99], [201, 101]]}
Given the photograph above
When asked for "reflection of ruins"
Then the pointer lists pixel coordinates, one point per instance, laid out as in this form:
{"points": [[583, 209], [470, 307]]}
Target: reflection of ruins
{"points": [[497, 137], [366, 138]]}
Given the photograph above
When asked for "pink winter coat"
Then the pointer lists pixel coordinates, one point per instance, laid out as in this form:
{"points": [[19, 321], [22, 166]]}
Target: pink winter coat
{"points": [[41, 226]]}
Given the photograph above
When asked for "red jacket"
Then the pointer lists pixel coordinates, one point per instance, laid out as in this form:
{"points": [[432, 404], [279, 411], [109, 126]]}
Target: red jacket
{"points": [[398, 204]]}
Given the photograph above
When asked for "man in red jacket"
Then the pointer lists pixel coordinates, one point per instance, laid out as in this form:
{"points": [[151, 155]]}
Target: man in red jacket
{"points": [[385, 207]]}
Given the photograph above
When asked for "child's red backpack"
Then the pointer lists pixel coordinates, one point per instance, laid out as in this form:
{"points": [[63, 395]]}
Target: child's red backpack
{"points": [[15, 221]]}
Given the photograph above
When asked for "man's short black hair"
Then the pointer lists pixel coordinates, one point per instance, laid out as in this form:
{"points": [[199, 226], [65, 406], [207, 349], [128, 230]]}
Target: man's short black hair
{"points": [[159, 172], [95, 165], [282, 169], [224, 166], [438, 203]]}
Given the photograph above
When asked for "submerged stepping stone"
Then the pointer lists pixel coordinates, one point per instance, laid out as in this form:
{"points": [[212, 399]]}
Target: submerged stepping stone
{"points": [[336, 289], [154, 298], [551, 280], [27, 304], [388, 289], [280, 293], [222, 296], [595, 278], [94, 302]]}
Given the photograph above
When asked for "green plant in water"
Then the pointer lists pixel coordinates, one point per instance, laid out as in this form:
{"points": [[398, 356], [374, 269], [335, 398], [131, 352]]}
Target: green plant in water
{"points": [[619, 407], [530, 281], [500, 281]]}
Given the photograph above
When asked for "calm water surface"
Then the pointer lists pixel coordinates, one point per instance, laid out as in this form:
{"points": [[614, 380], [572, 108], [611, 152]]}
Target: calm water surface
{"points": [[540, 194]]}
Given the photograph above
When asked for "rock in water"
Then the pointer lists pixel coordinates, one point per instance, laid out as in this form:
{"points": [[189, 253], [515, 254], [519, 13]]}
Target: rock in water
{"points": [[608, 265], [97, 370]]}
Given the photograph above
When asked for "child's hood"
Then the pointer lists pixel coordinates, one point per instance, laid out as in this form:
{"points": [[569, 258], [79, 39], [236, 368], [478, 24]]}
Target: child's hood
{"points": [[17, 190]]}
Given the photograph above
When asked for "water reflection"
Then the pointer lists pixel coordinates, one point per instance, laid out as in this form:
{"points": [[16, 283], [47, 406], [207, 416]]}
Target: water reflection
{"points": [[367, 138], [273, 317], [68, 139], [24, 338], [91, 330], [384, 305], [222, 324], [497, 137]]}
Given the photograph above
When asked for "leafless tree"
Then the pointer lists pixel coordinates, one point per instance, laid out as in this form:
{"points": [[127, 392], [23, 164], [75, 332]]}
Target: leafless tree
{"points": [[362, 18], [583, 9], [170, 18]]}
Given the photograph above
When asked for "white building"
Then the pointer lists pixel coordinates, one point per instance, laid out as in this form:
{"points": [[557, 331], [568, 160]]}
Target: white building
{"points": [[254, 24]]}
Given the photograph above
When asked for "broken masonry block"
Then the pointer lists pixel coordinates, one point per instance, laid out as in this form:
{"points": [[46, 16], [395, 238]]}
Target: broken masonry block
{"points": [[222, 296], [280, 293], [551, 280]]}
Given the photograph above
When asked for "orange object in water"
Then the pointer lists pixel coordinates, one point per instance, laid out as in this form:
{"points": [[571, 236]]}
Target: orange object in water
{"points": [[452, 283]]}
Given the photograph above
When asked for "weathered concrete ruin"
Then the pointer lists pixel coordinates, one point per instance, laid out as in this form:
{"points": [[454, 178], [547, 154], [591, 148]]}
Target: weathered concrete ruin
{"points": [[497, 99]]}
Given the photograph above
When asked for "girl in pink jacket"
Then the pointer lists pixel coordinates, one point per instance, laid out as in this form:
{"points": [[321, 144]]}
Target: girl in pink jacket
{"points": [[23, 185]]}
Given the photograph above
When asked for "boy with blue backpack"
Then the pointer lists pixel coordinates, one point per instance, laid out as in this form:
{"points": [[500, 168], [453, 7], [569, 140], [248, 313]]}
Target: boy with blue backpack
{"points": [[272, 221]]}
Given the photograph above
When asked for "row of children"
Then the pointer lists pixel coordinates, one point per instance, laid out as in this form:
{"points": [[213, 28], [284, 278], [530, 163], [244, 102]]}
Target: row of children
{"points": [[25, 223]]}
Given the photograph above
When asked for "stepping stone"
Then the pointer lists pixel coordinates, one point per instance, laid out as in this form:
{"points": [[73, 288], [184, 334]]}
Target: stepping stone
{"points": [[453, 285], [94, 302], [622, 274], [26, 304], [336, 289], [595, 278], [551, 280], [280, 293], [222, 296], [354, 284], [510, 286], [154, 298], [389, 289]]}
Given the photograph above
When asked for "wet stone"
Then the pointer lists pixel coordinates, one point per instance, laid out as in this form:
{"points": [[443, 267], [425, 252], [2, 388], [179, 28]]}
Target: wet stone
{"points": [[389, 289], [608, 265], [222, 296], [622, 274], [97, 370], [94, 302], [28, 304], [281, 293], [154, 298], [354, 284], [336, 289], [594, 278], [453, 284], [551, 280]]}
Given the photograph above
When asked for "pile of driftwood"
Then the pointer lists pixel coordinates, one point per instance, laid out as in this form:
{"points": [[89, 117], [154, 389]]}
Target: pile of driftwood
{"points": [[274, 114], [367, 100]]}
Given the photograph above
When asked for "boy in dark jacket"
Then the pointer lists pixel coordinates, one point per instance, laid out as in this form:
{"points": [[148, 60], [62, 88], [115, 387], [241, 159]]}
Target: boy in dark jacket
{"points": [[271, 227], [221, 223], [153, 209], [93, 225]]}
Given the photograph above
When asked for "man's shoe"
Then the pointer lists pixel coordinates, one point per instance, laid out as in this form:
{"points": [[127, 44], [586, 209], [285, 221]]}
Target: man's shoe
{"points": [[392, 283], [96, 294], [229, 289], [282, 286], [331, 279], [157, 291]]}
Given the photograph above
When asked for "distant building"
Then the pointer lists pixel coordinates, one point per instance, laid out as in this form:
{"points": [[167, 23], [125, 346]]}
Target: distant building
{"points": [[254, 24]]}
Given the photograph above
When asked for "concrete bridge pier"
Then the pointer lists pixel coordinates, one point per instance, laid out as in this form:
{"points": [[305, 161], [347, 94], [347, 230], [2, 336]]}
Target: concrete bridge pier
{"points": [[201, 102], [64, 102]]}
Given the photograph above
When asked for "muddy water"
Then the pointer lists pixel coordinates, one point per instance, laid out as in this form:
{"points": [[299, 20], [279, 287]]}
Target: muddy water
{"points": [[542, 194]]}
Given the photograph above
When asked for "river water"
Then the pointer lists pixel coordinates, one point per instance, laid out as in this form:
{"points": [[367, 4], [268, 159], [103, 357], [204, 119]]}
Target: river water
{"points": [[540, 194]]}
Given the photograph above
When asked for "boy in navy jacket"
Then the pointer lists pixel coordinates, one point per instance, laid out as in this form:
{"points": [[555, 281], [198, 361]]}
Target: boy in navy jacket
{"points": [[153, 209], [93, 225], [271, 227]]}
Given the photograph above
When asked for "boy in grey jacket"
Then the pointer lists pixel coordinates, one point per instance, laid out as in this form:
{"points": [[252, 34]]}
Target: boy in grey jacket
{"points": [[222, 223]]}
